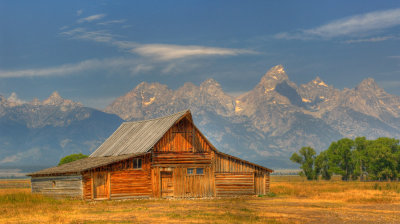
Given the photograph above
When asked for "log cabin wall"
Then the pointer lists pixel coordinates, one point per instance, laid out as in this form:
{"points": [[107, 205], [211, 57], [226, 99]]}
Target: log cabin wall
{"points": [[236, 172], [230, 184], [58, 186], [180, 149], [228, 164], [125, 181]]}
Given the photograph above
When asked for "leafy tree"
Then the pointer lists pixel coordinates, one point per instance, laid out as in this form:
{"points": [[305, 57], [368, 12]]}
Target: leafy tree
{"points": [[322, 166], [383, 158], [341, 159], [379, 159], [360, 157], [306, 159], [71, 158]]}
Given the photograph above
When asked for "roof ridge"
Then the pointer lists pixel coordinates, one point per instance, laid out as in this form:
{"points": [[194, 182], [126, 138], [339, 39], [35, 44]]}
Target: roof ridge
{"points": [[139, 136], [152, 119]]}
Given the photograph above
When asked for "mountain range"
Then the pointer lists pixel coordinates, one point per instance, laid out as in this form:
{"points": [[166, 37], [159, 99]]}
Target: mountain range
{"points": [[264, 125], [39, 133]]}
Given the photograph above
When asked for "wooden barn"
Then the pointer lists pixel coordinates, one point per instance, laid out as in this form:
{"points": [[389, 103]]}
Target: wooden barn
{"points": [[163, 157]]}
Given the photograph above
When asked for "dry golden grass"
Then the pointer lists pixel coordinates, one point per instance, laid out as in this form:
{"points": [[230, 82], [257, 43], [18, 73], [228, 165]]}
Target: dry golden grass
{"points": [[297, 201]]}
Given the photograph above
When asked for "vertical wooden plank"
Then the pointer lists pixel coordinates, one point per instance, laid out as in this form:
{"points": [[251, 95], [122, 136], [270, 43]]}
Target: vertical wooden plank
{"points": [[92, 184], [109, 184]]}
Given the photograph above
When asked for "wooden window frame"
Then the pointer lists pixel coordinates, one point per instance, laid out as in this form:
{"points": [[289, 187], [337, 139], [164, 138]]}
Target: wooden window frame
{"points": [[187, 171], [202, 170], [137, 161], [194, 171]]}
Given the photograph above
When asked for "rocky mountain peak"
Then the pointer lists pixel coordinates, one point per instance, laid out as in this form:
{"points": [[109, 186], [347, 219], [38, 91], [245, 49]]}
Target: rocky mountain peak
{"points": [[212, 87], [13, 100], [210, 83], [274, 76], [368, 84], [56, 100], [154, 86], [318, 82]]}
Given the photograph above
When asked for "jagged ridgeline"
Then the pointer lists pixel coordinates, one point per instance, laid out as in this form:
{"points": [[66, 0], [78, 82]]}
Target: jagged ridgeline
{"points": [[264, 125], [276, 118]]}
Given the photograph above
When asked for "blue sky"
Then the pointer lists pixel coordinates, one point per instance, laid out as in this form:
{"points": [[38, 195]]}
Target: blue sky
{"points": [[95, 51]]}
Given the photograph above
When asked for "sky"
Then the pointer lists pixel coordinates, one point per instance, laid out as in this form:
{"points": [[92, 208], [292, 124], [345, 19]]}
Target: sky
{"points": [[95, 51]]}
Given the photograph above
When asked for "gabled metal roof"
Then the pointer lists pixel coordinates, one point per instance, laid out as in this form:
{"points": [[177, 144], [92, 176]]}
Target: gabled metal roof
{"points": [[137, 137], [78, 166]]}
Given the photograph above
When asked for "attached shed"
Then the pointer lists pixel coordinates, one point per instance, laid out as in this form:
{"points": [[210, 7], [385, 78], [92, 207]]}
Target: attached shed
{"points": [[163, 157]]}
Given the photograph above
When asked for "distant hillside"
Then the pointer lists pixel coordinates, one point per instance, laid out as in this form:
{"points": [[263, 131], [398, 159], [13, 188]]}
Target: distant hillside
{"points": [[40, 133]]}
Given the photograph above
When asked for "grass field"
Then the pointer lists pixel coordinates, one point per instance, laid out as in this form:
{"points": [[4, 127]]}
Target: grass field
{"points": [[292, 200]]}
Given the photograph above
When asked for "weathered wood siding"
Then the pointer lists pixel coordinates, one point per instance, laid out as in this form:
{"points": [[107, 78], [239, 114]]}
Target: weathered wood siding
{"points": [[267, 180], [87, 185], [234, 184], [124, 180], [182, 137], [184, 184], [58, 186], [227, 164], [259, 183], [183, 147], [173, 159]]}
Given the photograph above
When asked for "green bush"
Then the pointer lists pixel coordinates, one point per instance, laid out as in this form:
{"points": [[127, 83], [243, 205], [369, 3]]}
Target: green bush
{"points": [[71, 158]]}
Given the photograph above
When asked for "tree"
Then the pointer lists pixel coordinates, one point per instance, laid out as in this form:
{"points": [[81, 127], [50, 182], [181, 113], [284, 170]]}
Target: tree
{"points": [[383, 158], [360, 157], [322, 166], [341, 159], [306, 159], [71, 158]]}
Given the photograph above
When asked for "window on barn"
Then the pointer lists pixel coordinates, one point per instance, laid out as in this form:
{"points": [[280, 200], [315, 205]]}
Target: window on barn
{"points": [[137, 163], [195, 171], [199, 171]]}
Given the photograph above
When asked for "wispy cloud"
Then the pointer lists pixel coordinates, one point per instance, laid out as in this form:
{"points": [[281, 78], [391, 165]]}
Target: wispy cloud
{"points": [[163, 52], [372, 39], [31, 153], [71, 69], [84, 34], [79, 12], [91, 18], [112, 22], [169, 52], [350, 26]]}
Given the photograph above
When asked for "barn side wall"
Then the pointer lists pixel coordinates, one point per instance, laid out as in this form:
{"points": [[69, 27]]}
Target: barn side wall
{"points": [[237, 177], [58, 186], [124, 180]]}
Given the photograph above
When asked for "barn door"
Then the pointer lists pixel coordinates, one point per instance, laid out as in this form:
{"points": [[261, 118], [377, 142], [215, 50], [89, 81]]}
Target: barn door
{"points": [[100, 188], [167, 186], [259, 183]]}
